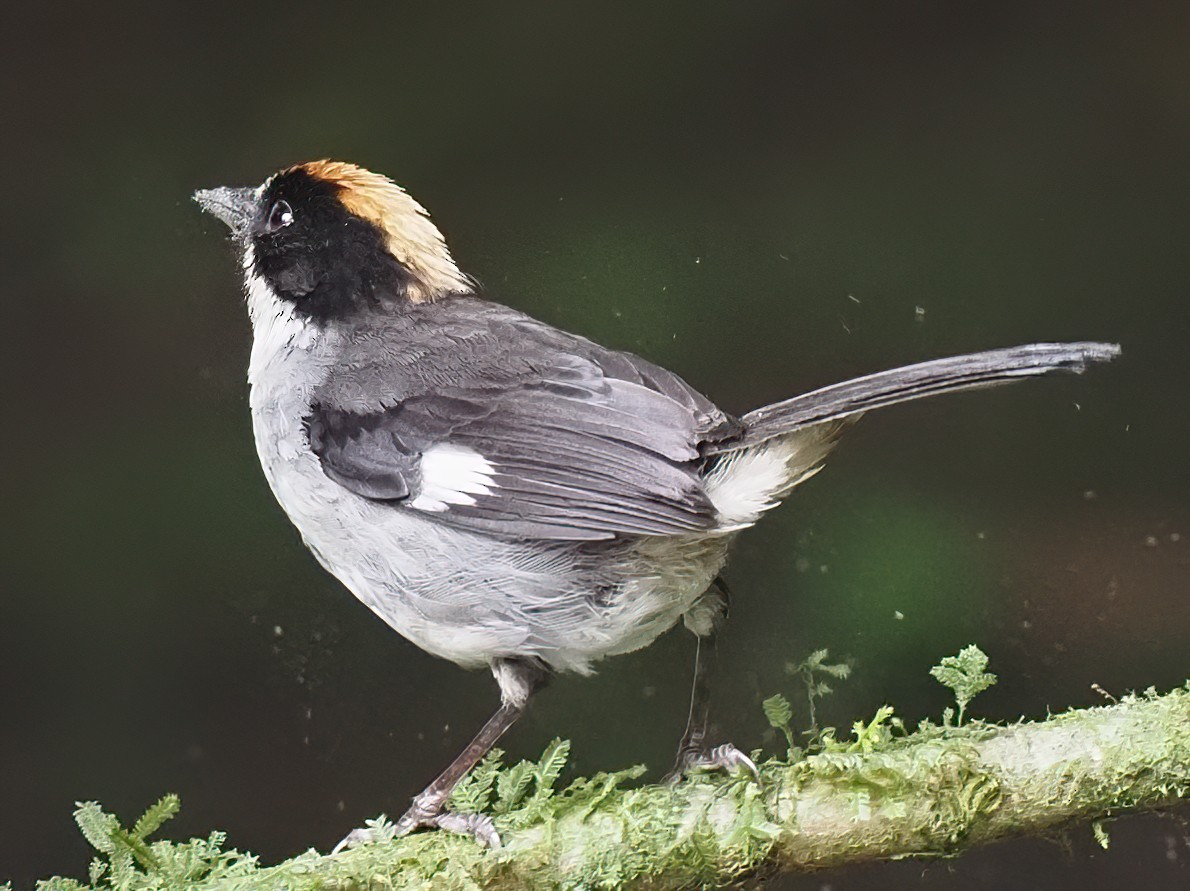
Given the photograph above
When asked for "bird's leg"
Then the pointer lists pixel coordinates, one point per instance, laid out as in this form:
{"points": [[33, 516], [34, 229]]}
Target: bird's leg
{"points": [[693, 744], [518, 680], [693, 753]]}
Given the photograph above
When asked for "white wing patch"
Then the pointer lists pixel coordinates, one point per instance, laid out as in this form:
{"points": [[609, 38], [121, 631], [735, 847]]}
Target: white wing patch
{"points": [[452, 474]]}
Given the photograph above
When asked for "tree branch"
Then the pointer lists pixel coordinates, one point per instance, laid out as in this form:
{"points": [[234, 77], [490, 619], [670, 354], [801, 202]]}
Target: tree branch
{"points": [[936, 791]]}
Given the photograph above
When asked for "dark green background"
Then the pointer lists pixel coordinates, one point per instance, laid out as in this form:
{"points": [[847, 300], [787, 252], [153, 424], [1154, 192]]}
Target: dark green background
{"points": [[757, 195]]}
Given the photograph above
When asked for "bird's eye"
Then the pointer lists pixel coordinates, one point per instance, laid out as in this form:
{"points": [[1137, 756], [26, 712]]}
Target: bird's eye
{"points": [[280, 216]]}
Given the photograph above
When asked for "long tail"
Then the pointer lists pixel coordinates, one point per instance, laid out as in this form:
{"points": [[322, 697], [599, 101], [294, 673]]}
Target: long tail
{"points": [[968, 372]]}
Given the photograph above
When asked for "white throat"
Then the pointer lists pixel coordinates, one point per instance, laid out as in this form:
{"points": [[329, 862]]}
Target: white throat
{"points": [[277, 329]]}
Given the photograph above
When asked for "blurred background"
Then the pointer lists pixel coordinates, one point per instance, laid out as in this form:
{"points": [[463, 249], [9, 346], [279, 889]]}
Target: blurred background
{"points": [[764, 197]]}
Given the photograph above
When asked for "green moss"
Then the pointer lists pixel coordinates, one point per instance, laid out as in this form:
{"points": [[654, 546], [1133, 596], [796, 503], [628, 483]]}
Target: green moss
{"points": [[884, 793]]}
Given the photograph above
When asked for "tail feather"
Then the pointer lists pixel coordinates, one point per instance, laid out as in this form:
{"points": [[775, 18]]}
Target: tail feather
{"points": [[987, 369]]}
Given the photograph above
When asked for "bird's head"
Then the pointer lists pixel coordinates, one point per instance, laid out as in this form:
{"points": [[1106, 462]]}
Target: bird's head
{"points": [[333, 238]]}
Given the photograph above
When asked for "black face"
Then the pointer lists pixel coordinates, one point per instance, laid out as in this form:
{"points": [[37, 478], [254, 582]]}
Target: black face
{"points": [[315, 254]]}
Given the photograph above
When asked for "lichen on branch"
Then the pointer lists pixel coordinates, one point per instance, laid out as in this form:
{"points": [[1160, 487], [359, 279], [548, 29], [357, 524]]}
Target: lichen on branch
{"points": [[937, 790]]}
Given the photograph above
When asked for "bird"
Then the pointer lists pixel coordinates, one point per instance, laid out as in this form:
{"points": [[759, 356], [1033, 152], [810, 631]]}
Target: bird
{"points": [[500, 492]]}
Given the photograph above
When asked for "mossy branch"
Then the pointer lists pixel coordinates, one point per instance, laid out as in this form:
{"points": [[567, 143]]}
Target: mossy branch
{"points": [[934, 792]]}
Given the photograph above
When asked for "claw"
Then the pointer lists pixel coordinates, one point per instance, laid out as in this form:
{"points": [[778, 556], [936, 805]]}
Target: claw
{"points": [[355, 838], [725, 757], [477, 826], [429, 814], [728, 757]]}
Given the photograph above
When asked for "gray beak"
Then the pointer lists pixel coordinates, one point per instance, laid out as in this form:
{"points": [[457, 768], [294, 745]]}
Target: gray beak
{"points": [[235, 207]]}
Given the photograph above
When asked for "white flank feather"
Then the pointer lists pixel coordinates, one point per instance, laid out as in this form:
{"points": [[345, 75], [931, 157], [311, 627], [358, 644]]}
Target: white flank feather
{"points": [[746, 485]]}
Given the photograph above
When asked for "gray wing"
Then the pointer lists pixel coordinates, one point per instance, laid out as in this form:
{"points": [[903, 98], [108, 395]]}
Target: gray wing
{"points": [[590, 444]]}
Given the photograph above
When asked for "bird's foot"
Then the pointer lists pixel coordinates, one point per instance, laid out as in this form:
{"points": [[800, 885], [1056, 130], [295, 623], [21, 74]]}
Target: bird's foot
{"points": [[419, 816], [479, 826], [725, 757]]}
